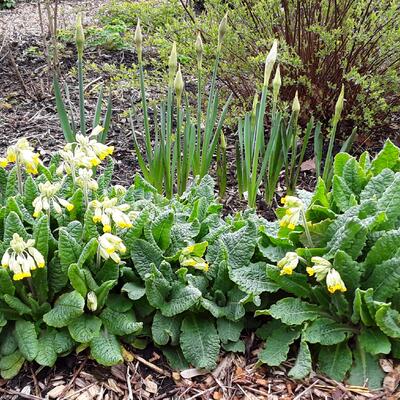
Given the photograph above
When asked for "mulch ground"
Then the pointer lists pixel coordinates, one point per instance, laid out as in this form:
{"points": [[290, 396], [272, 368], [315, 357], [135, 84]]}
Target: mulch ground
{"points": [[27, 108]]}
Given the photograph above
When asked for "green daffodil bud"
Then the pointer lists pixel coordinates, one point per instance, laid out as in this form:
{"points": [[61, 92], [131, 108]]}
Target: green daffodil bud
{"points": [[179, 85], [223, 142], [172, 64], [199, 50], [339, 105], [276, 84], [296, 104], [270, 61], [91, 301], [222, 30], [79, 35], [138, 38]]}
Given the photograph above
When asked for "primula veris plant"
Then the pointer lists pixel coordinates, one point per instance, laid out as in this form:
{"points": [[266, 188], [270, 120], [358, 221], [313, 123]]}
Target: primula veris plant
{"points": [[341, 305]]}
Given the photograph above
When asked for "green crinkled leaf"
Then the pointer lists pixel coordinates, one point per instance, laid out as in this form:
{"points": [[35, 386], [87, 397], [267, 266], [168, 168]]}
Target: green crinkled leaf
{"points": [[335, 361], [67, 307], [120, 324], [366, 370], [302, 366], [102, 292], [360, 309], [374, 341], [342, 194], [47, 354], [326, 331], [354, 175], [175, 358], [84, 328], [278, 338], [143, 255], [134, 290], [252, 279], [6, 283], [16, 304], [118, 302], [377, 185], [296, 283], [348, 269], [13, 224], [182, 297], [165, 328], [161, 229], [63, 343], [389, 202], [8, 343], [385, 279], [57, 278], [350, 238], [27, 340], [69, 249], [31, 191], [77, 279], [12, 185], [234, 347], [135, 232], [387, 158], [293, 311], [11, 364], [388, 321], [88, 251], [106, 350], [199, 341], [229, 330]]}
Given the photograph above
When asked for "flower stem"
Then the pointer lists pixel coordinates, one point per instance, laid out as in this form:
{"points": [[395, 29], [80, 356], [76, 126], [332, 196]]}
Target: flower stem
{"points": [[306, 230], [19, 177]]}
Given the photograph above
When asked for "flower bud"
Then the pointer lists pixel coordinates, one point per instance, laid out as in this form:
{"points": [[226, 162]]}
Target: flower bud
{"points": [[91, 301], [139, 40], [222, 30], [179, 85], [270, 61], [119, 190], [296, 104], [254, 106], [199, 49], [223, 142], [339, 105], [276, 84], [172, 64], [79, 35]]}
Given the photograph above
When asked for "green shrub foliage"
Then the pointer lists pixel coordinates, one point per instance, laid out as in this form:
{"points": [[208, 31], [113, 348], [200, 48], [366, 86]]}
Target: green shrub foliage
{"points": [[89, 265]]}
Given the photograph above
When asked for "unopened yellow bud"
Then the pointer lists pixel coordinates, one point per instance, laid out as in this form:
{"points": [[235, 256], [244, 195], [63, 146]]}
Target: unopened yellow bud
{"points": [[222, 30], [79, 35], [296, 104], [199, 49], [172, 64], [91, 301], [179, 85], [270, 61], [138, 38], [276, 84], [339, 105]]}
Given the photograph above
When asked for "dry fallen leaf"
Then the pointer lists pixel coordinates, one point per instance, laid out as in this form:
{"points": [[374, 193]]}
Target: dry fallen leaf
{"points": [[56, 391], [308, 165]]}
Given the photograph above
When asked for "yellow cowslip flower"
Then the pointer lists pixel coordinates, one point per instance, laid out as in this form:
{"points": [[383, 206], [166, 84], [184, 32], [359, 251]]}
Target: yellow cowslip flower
{"points": [[22, 153], [85, 180], [22, 258], [294, 208], [109, 247], [334, 282], [89, 145], [288, 263], [48, 198], [195, 262], [107, 211], [320, 268]]}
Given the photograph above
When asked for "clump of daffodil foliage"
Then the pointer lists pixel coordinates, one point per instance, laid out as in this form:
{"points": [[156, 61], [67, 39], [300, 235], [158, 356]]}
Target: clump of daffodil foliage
{"points": [[91, 266]]}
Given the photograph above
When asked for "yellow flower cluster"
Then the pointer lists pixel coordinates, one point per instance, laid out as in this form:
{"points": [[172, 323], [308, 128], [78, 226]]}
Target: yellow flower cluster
{"points": [[322, 269], [48, 198], [294, 208], [22, 153], [22, 258], [288, 263], [109, 247], [86, 152], [107, 211]]}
